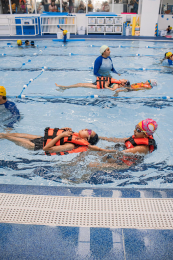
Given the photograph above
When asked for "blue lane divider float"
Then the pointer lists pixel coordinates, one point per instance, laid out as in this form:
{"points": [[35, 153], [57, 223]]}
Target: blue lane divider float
{"points": [[31, 80], [121, 46], [91, 96], [68, 40], [132, 55]]}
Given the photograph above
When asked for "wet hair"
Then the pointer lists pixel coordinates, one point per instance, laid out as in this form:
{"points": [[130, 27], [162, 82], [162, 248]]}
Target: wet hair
{"points": [[26, 42], [128, 83], [165, 54], [94, 140]]}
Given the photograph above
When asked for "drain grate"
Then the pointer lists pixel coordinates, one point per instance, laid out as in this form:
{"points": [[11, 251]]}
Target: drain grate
{"points": [[86, 211]]}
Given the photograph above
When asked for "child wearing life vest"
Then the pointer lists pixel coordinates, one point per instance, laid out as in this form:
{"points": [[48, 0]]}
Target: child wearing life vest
{"points": [[57, 141], [149, 84], [141, 142], [101, 83]]}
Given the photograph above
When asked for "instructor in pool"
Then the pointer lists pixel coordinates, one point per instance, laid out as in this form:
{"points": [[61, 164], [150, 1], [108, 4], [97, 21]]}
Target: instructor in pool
{"points": [[103, 65]]}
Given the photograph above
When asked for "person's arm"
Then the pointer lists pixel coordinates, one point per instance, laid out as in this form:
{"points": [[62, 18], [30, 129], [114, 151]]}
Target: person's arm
{"points": [[113, 69], [114, 87], [14, 111], [97, 64], [144, 149], [113, 139], [51, 144], [96, 148]]}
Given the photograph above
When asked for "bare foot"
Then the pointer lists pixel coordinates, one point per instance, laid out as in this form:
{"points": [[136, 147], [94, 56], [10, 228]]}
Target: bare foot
{"points": [[57, 85], [2, 135]]}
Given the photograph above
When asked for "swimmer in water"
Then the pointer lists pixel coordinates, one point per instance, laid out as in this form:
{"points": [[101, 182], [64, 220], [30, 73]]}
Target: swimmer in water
{"points": [[57, 141], [169, 57], [27, 43], [19, 43], [6, 105], [140, 143], [149, 84], [101, 83]]}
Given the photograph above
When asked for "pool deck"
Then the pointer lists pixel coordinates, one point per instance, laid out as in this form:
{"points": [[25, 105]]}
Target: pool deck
{"points": [[89, 37], [21, 241]]}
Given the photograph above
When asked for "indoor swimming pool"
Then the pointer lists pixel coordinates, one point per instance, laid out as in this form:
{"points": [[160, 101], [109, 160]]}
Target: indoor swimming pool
{"points": [[29, 76]]}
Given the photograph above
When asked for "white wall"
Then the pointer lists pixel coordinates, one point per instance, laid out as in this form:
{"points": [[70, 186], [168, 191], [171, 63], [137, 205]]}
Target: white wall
{"points": [[149, 17], [164, 21]]}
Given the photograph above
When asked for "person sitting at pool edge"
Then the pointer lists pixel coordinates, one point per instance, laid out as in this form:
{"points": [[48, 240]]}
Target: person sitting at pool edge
{"points": [[8, 105], [101, 83], [142, 142], [64, 33], [149, 84], [103, 65], [169, 29], [57, 141]]}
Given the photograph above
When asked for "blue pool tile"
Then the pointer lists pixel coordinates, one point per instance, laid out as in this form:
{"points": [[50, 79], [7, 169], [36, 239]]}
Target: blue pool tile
{"points": [[45, 242], [148, 244]]}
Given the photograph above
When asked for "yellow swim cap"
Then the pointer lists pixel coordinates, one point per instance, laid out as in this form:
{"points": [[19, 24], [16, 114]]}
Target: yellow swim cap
{"points": [[65, 32], [19, 42], [168, 54], [2, 91]]}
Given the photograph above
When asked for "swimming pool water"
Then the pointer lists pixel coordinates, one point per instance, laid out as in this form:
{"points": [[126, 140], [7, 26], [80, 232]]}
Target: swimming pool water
{"points": [[109, 116]]}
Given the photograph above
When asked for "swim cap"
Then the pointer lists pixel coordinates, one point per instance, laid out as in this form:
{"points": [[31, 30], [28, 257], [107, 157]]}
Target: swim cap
{"points": [[148, 125], [128, 83], [153, 82], [65, 32], [168, 54], [19, 42], [103, 48], [2, 91], [93, 140]]}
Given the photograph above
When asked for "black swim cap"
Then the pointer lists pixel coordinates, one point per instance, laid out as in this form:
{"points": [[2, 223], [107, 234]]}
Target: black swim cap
{"points": [[93, 140], [32, 42], [128, 83]]}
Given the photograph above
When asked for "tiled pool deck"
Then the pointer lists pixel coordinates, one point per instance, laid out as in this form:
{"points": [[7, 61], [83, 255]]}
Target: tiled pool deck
{"points": [[19, 241]]}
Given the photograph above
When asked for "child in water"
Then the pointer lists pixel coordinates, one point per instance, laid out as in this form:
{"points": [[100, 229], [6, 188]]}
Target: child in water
{"points": [[57, 141], [140, 143], [169, 57], [113, 84]]}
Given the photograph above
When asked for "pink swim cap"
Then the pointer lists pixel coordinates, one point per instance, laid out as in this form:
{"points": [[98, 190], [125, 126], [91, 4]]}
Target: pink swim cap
{"points": [[148, 125]]}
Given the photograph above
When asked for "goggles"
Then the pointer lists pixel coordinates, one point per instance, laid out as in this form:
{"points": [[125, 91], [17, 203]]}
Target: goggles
{"points": [[139, 130]]}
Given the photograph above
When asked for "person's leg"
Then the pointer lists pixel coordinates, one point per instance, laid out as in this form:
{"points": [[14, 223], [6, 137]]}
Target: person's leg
{"points": [[20, 135], [20, 141], [84, 85]]}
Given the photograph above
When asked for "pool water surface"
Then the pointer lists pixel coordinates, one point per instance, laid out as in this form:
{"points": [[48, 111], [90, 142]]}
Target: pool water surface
{"points": [[45, 105]]}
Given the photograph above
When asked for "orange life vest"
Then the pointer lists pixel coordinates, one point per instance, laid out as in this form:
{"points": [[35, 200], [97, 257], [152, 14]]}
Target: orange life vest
{"points": [[132, 142], [101, 81], [137, 86], [81, 145]]}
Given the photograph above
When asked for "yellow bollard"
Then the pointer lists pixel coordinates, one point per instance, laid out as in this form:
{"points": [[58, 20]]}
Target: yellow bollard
{"points": [[133, 25]]}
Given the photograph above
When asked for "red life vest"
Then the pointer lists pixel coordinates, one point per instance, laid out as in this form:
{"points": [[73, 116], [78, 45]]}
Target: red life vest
{"points": [[101, 81], [81, 145], [137, 86], [132, 142]]}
